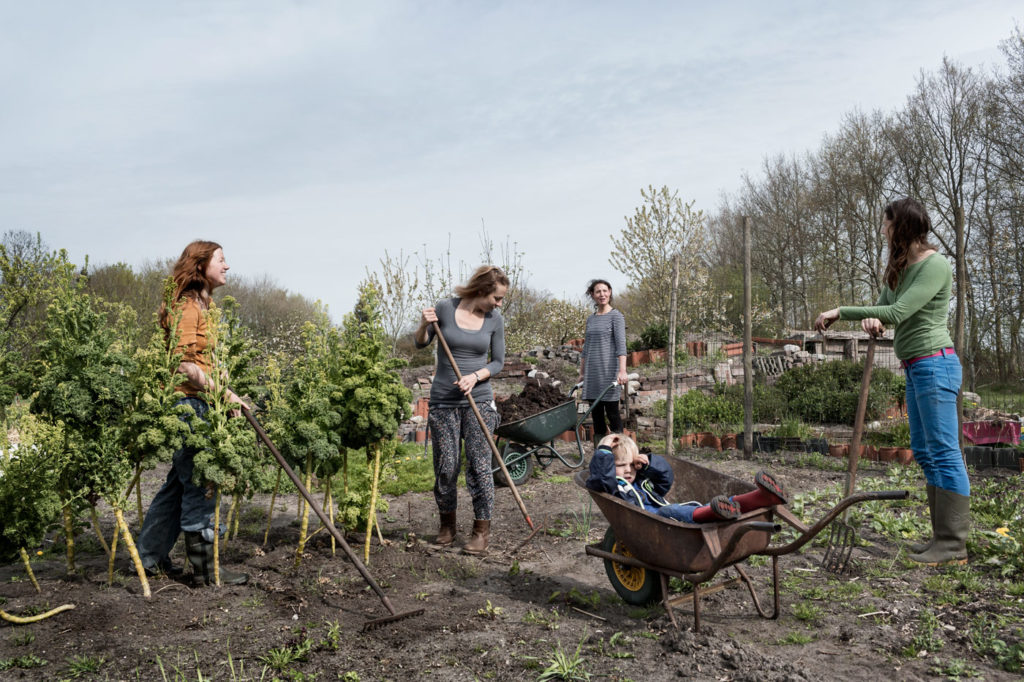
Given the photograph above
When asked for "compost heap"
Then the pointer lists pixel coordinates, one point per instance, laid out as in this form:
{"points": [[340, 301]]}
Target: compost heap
{"points": [[536, 397]]}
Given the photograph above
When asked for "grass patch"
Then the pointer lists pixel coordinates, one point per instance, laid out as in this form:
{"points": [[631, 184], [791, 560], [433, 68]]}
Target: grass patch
{"points": [[796, 637]]}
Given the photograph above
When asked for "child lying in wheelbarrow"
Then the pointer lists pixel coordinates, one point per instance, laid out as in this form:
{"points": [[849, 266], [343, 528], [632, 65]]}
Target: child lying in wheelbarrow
{"points": [[619, 468]]}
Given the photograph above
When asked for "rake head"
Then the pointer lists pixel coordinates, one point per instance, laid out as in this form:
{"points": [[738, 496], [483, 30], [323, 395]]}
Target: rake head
{"points": [[381, 622], [841, 539]]}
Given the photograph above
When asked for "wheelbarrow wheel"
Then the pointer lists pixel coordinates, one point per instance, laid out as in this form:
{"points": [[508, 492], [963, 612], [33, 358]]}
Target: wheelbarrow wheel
{"points": [[519, 468], [637, 586]]}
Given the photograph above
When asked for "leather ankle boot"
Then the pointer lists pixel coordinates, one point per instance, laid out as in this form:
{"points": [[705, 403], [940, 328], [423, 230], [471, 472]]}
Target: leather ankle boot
{"points": [[446, 533], [200, 555], [478, 542]]}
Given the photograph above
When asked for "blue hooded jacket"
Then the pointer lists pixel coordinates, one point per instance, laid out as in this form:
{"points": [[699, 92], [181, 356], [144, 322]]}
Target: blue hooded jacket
{"points": [[647, 490]]}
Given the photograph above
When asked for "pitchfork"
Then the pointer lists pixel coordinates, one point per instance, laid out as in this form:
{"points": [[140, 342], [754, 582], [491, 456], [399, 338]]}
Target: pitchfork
{"points": [[842, 537]]}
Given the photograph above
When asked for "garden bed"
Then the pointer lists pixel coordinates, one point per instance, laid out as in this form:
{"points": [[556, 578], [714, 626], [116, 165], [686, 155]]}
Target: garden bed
{"points": [[508, 615]]}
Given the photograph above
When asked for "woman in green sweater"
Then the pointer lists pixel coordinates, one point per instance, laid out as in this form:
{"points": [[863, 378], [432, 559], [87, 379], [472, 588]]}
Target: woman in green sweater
{"points": [[915, 301]]}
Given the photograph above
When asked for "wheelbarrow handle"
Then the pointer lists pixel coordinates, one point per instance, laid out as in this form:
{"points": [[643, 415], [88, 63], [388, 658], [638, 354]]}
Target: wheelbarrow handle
{"points": [[808, 534]]}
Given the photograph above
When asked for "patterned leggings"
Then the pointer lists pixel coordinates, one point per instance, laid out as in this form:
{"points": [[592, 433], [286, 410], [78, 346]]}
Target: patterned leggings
{"points": [[449, 425]]}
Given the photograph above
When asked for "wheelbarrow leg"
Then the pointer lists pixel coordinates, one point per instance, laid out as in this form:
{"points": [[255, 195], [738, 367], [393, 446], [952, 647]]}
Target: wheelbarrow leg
{"points": [[665, 600], [696, 608], [753, 594]]}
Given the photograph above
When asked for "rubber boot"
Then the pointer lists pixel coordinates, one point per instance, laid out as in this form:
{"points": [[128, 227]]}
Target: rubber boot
{"points": [[200, 555], [918, 547], [165, 567], [446, 533], [478, 542], [950, 526]]}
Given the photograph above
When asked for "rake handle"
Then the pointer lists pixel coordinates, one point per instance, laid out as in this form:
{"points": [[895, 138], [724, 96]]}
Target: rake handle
{"points": [[483, 425], [328, 524]]}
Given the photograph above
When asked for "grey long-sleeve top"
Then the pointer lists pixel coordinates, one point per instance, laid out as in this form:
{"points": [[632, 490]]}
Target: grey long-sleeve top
{"points": [[470, 350]]}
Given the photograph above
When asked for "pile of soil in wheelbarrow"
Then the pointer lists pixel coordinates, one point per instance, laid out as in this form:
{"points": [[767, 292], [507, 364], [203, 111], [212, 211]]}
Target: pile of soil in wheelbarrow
{"points": [[536, 397]]}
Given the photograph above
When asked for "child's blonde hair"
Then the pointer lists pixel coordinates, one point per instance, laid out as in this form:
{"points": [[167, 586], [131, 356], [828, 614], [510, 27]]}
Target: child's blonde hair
{"points": [[622, 446]]}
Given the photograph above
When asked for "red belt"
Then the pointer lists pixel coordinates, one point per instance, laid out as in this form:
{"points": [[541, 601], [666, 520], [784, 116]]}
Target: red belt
{"points": [[943, 351]]}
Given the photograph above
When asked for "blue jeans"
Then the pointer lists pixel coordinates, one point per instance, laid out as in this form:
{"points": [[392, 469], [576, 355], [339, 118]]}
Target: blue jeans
{"points": [[932, 386], [678, 512], [178, 506]]}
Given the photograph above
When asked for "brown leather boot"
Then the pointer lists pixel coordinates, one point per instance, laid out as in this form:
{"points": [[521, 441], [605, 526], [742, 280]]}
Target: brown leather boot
{"points": [[446, 533], [478, 543]]}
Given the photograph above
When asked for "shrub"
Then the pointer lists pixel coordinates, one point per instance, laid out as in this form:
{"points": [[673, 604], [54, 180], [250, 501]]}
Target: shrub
{"points": [[698, 410], [828, 392], [769, 405]]}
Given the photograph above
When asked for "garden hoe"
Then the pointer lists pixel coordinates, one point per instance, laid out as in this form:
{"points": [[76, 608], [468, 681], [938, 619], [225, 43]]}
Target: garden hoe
{"points": [[483, 427], [370, 624], [842, 537]]}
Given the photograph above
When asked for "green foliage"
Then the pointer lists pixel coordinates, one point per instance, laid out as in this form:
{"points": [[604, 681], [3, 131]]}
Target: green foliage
{"points": [[226, 447], [28, 498], [84, 383], [566, 666], [154, 424], [368, 395], [769, 404], [828, 392], [31, 276], [698, 410]]}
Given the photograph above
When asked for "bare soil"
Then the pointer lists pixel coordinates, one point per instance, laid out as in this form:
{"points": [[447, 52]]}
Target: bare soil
{"points": [[499, 617], [535, 397]]}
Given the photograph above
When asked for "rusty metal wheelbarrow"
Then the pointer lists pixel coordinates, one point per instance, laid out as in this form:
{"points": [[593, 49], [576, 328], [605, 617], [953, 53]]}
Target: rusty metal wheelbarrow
{"points": [[535, 435], [642, 550]]}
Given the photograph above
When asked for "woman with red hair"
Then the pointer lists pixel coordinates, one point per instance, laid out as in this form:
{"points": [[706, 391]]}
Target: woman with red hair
{"points": [[180, 505]]}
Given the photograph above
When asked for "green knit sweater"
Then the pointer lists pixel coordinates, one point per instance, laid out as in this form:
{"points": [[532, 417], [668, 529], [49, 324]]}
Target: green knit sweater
{"points": [[918, 309]]}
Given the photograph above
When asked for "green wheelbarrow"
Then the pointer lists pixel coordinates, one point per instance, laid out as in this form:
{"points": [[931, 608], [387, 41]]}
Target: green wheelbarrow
{"points": [[534, 436]]}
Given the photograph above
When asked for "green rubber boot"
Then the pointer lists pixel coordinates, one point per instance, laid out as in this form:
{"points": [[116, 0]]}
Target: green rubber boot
{"points": [[950, 525], [200, 555], [918, 547]]}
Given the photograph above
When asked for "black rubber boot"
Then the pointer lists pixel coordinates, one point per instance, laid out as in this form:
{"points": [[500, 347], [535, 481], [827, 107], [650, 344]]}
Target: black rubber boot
{"points": [[950, 526], [200, 555], [919, 547], [165, 567]]}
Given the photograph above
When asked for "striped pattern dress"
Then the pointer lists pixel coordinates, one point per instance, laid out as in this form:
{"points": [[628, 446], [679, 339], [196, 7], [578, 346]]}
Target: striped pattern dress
{"points": [[603, 343]]}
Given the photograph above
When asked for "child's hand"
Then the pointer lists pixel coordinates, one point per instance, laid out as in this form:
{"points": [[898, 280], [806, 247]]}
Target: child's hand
{"points": [[640, 461]]}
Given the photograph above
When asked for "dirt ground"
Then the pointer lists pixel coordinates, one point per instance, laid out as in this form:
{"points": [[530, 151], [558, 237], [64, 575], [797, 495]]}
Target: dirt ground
{"points": [[504, 617]]}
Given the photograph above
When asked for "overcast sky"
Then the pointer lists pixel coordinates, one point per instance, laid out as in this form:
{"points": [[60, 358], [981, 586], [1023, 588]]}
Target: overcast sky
{"points": [[310, 137]]}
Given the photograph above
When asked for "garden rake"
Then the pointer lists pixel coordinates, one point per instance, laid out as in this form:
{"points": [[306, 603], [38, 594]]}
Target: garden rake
{"points": [[842, 536], [329, 525]]}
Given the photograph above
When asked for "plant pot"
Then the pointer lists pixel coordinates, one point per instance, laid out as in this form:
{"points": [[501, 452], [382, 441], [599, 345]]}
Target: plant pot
{"points": [[688, 440], [657, 354], [887, 454], [1005, 457], [791, 444], [978, 456], [865, 452], [1020, 463], [421, 435], [709, 440], [766, 443], [819, 445], [838, 450], [729, 441], [904, 455]]}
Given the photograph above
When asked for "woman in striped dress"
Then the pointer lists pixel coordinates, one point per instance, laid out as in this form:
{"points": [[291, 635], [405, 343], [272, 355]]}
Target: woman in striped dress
{"points": [[603, 361]]}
